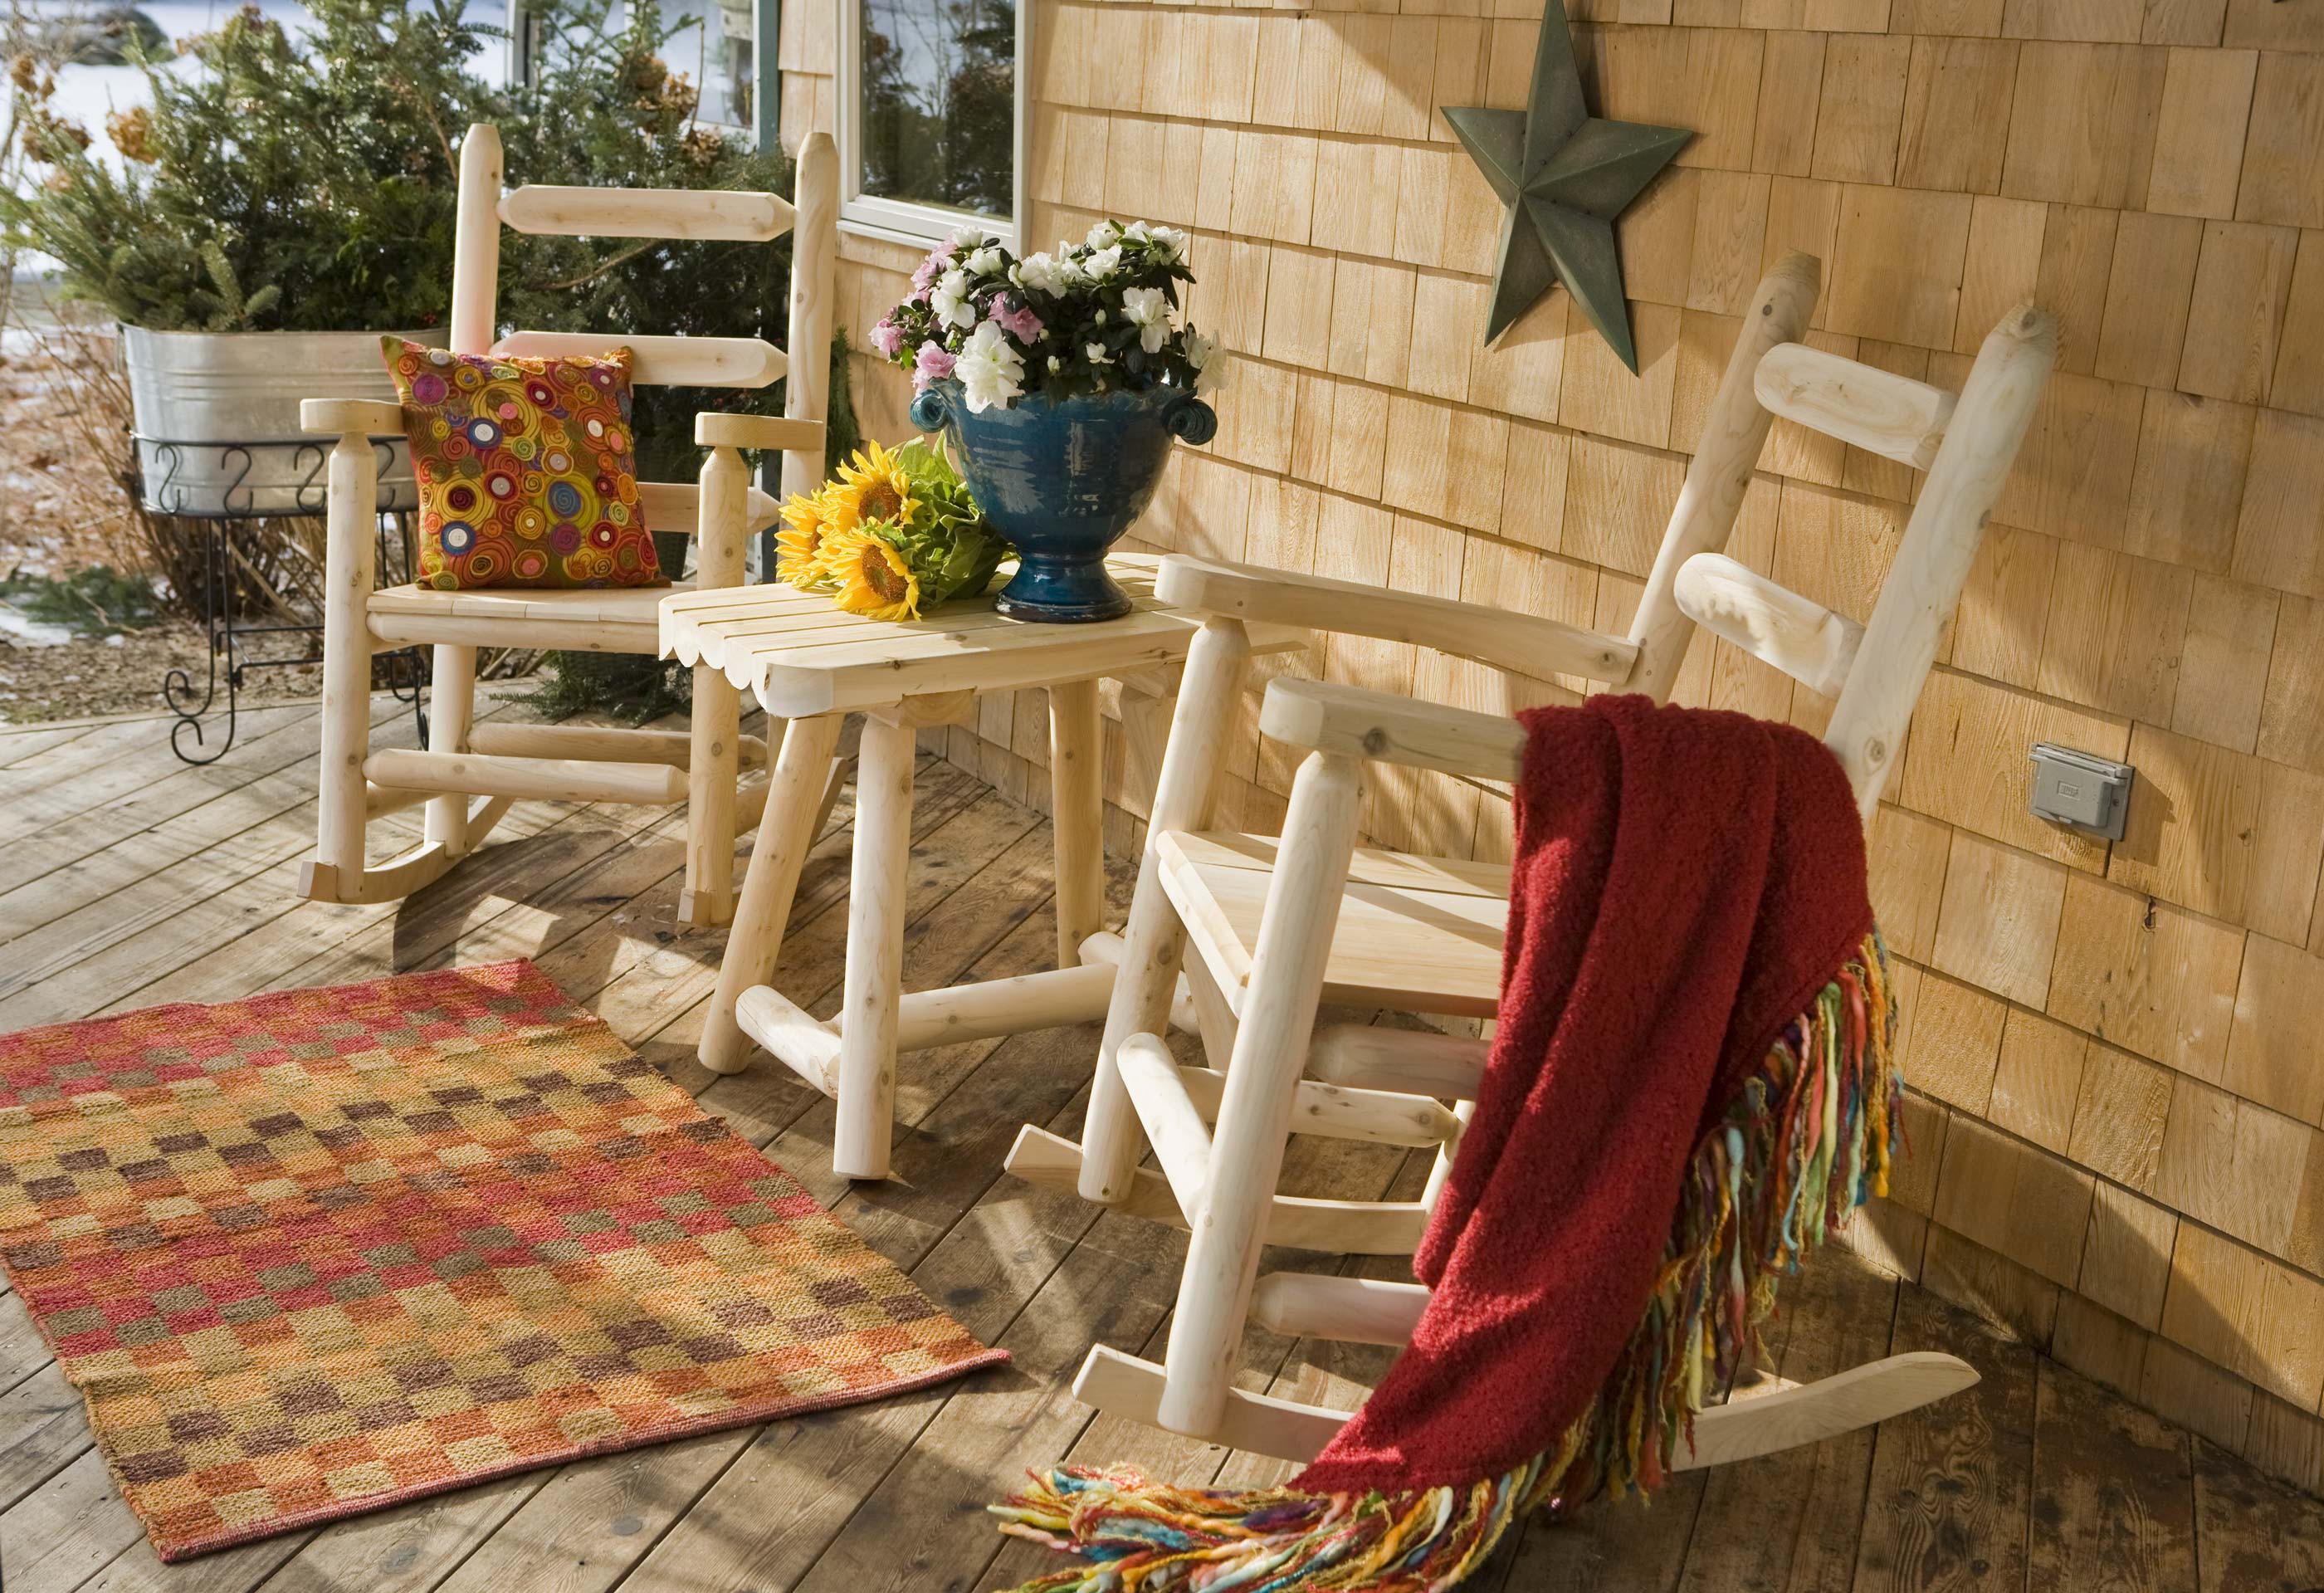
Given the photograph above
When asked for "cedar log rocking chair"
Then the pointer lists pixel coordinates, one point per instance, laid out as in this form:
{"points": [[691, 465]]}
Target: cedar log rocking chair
{"points": [[1280, 925], [469, 773]]}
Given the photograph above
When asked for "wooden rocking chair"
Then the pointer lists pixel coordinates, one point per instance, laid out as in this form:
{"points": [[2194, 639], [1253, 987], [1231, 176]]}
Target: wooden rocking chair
{"points": [[469, 773], [1282, 924]]}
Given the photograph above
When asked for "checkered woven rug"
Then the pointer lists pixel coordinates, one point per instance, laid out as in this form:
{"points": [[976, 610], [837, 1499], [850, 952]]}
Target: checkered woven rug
{"points": [[319, 1252]]}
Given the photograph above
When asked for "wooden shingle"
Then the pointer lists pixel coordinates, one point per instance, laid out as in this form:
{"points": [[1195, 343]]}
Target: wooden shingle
{"points": [[2198, 144], [2127, 1257], [2082, 124], [1999, 927], [1896, 265], [1952, 137], [2039, 1080], [2282, 180], [2193, 827], [2235, 325], [2272, 1055], [2223, 671], [2146, 976]]}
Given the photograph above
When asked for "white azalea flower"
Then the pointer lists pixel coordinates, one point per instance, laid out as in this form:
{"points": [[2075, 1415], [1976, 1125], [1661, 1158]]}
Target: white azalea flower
{"points": [[984, 261], [948, 301], [1137, 232], [1202, 353], [970, 238], [1173, 241], [1150, 313], [1056, 364], [1102, 234], [1040, 273], [989, 369], [1095, 354], [1103, 264]]}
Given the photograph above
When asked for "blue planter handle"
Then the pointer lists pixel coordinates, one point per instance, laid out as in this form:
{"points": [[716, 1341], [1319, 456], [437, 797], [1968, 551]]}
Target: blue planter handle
{"points": [[1189, 419], [930, 409]]}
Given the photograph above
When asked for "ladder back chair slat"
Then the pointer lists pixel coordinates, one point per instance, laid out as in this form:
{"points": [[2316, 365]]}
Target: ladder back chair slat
{"points": [[1773, 624], [1878, 411], [662, 361], [678, 214]]}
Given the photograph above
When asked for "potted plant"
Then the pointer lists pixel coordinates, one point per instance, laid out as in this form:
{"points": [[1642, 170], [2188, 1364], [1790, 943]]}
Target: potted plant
{"points": [[249, 239], [1059, 382], [276, 208]]}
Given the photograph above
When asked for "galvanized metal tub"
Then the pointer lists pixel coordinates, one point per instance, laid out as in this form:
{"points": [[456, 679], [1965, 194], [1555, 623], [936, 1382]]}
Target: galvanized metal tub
{"points": [[216, 418]]}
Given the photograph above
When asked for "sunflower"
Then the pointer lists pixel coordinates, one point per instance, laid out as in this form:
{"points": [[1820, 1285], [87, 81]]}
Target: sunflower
{"points": [[799, 545], [872, 486], [872, 578]]}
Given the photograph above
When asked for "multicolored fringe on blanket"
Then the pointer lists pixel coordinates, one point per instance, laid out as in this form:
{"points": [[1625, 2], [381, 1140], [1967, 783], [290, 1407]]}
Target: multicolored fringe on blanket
{"points": [[1805, 1141]]}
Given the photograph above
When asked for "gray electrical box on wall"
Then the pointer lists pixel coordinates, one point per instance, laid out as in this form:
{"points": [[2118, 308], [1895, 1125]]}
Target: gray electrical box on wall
{"points": [[2080, 790]]}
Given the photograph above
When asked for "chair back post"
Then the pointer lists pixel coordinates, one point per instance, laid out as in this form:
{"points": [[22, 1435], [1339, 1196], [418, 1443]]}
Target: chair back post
{"points": [[815, 250], [1932, 561], [477, 241], [1719, 474]]}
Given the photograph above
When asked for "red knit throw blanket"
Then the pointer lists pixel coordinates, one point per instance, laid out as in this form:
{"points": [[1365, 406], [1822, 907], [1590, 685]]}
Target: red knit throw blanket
{"points": [[1690, 1080]]}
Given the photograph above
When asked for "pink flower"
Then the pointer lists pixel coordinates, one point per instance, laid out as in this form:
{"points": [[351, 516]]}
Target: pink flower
{"points": [[1022, 324], [930, 366], [887, 337], [925, 274]]}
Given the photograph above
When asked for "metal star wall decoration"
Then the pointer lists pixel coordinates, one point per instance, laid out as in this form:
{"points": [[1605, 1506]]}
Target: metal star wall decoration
{"points": [[1566, 175]]}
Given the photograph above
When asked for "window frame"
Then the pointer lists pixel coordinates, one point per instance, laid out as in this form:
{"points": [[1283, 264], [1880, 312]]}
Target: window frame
{"points": [[904, 221]]}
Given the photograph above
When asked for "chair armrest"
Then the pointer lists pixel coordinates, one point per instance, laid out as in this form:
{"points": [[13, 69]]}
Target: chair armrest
{"points": [[350, 417], [1524, 643], [723, 428], [1391, 729]]}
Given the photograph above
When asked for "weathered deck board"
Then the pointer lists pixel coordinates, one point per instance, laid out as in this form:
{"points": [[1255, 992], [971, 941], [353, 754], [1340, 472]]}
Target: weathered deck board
{"points": [[1952, 1485], [155, 882], [2114, 1491]]}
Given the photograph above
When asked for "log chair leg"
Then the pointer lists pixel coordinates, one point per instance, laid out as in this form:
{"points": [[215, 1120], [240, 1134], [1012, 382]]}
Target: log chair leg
{"points": [[347, 573], [864, 1128], [756, 939], [1077, 819], [1152, 940], [451, 712], [1270, 1051]]}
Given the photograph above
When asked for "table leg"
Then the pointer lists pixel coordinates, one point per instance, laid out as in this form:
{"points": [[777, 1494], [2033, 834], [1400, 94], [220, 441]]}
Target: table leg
{"points": [[862, 1136], [786, 832], [713, 765], [1076, 776]]}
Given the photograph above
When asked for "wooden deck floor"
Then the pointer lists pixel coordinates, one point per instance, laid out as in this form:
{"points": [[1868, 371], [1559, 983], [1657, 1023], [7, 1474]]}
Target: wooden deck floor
{"points": [[126, 879]]}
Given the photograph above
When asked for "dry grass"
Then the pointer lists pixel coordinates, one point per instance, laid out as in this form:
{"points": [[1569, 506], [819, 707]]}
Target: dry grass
{"points": [[69, 488]]}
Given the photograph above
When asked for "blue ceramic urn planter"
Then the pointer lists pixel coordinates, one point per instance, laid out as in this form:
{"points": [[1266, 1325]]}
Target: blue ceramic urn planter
{"points": [[1063, 479]]}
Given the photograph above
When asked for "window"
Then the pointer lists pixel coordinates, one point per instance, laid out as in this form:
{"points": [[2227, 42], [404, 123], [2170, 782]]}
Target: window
{"points": [[713, 51], [712, 43], [931, 129]]}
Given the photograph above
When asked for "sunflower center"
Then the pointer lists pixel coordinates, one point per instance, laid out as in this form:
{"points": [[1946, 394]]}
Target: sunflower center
{"points": [[882, 577], [881, 501]]}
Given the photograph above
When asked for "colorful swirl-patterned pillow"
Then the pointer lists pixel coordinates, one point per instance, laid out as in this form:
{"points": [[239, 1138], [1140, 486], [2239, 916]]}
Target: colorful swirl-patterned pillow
{"points": [[528, 473]]}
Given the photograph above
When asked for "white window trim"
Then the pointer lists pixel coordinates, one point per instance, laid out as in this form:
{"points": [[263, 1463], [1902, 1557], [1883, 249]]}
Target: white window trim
{"points": [[900, 220]]}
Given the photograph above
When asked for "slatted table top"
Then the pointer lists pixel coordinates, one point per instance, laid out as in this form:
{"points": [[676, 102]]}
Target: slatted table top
{"points": [[803, 656]]}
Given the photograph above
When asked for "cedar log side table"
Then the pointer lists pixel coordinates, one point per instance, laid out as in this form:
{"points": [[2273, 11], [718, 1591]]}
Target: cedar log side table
{"points": [[812, 664]]}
